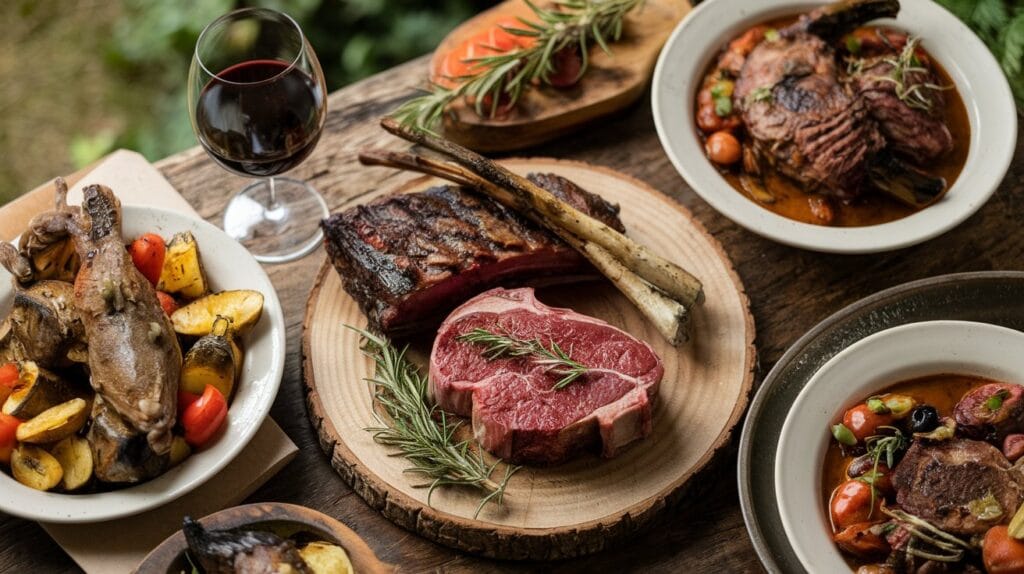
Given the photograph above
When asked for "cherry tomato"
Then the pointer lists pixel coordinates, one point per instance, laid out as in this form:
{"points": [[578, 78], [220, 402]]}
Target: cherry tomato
{"points": [[167, 302], [857, 539], [9, 377], [204, 417], [748, 41], [148, 254], [1001, 553], [8, 430], [851, 503], [567, 63], [863, 422], [707, 120], [723, 148], [185, 399]]}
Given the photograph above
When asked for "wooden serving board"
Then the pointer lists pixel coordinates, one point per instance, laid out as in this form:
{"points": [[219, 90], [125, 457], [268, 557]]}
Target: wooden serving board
{"points": [[613, 81], [590, 503]]}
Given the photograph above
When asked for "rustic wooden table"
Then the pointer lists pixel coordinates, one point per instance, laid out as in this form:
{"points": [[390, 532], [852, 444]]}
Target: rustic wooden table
{"points": [[790, 290]]}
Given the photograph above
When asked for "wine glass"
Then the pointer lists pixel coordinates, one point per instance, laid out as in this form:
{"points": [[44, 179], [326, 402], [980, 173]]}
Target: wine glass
{"points": [[257, 101]]}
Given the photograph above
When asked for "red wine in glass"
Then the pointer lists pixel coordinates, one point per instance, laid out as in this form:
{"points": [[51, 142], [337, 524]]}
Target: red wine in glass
{"points": [[257, 102], [260, 117]]}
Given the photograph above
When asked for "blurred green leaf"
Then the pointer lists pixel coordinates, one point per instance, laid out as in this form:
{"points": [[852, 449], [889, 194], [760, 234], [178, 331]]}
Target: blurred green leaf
{"points": [[85, 149]]}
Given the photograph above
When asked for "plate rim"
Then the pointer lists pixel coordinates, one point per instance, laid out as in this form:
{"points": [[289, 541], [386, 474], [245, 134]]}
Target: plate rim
{"points": [[629, 517], [885, 297]]}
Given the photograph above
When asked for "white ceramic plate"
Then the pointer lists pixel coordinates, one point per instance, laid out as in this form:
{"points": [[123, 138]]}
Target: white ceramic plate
{"points": [[871, 364], [228, 266], [990, 107]]}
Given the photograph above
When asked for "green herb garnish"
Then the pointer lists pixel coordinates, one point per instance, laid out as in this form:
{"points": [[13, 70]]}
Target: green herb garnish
{"points": [[843, 434], [771, 34], [994, 402], [762, 94], [552, 356], [853, 45], [422, 432], [877, 406], [887, 446]]}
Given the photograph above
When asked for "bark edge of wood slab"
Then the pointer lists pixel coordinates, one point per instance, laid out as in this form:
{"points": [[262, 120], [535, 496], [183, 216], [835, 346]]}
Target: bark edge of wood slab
{"points": [[612, 83], [587, 505], [171, 550]]}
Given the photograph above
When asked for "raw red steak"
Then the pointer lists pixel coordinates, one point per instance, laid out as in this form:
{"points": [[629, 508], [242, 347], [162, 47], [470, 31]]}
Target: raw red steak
{"points": [[516, 412]]}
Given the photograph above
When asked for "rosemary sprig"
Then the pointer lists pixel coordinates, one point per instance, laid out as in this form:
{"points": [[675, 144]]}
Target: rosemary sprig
{"points": [[911, 92], [423, 433], [505, 345], [568, 24], [878, 446]]}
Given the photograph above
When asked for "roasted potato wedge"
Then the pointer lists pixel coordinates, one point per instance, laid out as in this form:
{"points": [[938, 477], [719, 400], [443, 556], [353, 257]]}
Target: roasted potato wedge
{"points": [[38, 390], [179, 451], [35, 468], [55, 423], [326, 558], [183, 272], [211, 361], [242, 307], [75, 458]]}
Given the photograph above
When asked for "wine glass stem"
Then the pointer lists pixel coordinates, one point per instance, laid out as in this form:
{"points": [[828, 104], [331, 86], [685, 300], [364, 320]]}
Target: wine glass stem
{"points": [[273, 194]]}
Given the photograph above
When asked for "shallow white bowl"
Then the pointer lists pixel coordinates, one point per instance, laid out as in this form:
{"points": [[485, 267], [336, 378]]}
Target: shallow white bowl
{"points": [[871, 364], [990, 107], [228, 266]]}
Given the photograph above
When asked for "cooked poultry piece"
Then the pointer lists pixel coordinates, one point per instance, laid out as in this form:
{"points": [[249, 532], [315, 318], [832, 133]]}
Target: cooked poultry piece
{"points": [[242, 552], [802, 119], [45, 250], [134, 357]]}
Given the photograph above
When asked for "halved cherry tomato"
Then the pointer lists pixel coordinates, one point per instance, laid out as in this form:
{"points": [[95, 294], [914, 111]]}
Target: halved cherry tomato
{"points": [[167, 302], [9, 376], [567, 63], [204, 417], [185, 399], [8, 436], [857, 539], [863, 422], [1001, 553], [494, 40], [851, 504], [148, 254]]}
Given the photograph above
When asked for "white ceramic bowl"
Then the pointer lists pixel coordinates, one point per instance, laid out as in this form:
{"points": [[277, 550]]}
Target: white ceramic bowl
{"points": [[871, 364], [228, 266], [990, 107]]}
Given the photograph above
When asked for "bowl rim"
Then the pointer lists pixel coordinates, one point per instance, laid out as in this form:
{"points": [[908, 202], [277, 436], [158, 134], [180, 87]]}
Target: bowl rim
{"points": [[971, 66], [88, 508], [971, 331]]}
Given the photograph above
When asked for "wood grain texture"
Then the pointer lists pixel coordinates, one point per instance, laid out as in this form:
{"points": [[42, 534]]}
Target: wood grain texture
{"points": [[588, 504], [282, 519], [790, 291], [614, 80]]}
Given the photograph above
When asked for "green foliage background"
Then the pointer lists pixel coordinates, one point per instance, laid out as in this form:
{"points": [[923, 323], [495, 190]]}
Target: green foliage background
{"points": [[106, 74]]}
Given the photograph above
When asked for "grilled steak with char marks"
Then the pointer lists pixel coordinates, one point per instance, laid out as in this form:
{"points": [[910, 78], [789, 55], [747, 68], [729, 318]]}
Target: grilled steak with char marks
{"points": [[409, 259]]}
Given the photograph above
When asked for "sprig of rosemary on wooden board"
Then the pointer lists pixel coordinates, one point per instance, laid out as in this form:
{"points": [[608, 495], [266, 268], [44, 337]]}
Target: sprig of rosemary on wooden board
{"points": [[505, 345], [568, 24], [424, 434]]}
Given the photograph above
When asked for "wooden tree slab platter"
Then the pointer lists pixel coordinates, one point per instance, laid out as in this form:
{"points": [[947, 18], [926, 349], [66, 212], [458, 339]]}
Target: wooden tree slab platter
{"points": [[287, 520], [614, 80], [590, 503]]}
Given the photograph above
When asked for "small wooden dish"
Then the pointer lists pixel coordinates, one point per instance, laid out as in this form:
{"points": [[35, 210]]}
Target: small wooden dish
{"points": [[283, 519], [613, 81], [588, 504]]}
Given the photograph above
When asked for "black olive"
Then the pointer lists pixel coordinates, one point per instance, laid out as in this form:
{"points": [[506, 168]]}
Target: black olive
{"points": [[924, 419]]}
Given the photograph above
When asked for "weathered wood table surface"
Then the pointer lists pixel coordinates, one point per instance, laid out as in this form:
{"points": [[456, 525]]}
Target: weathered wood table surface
{"points": [[790, 291]]}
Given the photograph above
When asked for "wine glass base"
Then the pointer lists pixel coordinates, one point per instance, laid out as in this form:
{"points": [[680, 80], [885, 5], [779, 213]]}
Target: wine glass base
{"points": [[283, 231]]}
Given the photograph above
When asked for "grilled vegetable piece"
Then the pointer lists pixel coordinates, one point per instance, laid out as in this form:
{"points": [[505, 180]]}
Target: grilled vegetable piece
{"points": [[55, 423], [8, 436], [121, 454], [38, 390], [179, 451], [44, 321], [183, 272], [148, 253], [241, 551], [35, 468], [324, 558], [211, 361], [75, 458], [243, 308], [11, 349]]}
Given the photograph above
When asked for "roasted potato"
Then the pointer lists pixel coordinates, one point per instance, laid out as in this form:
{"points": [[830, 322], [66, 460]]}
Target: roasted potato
{"points": [[179, 451], [326, 558], [75, 458], [183, 272], [44, 320], [211, 361], [242, 307], [35, 468], [55, 423], [38, 390]]}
